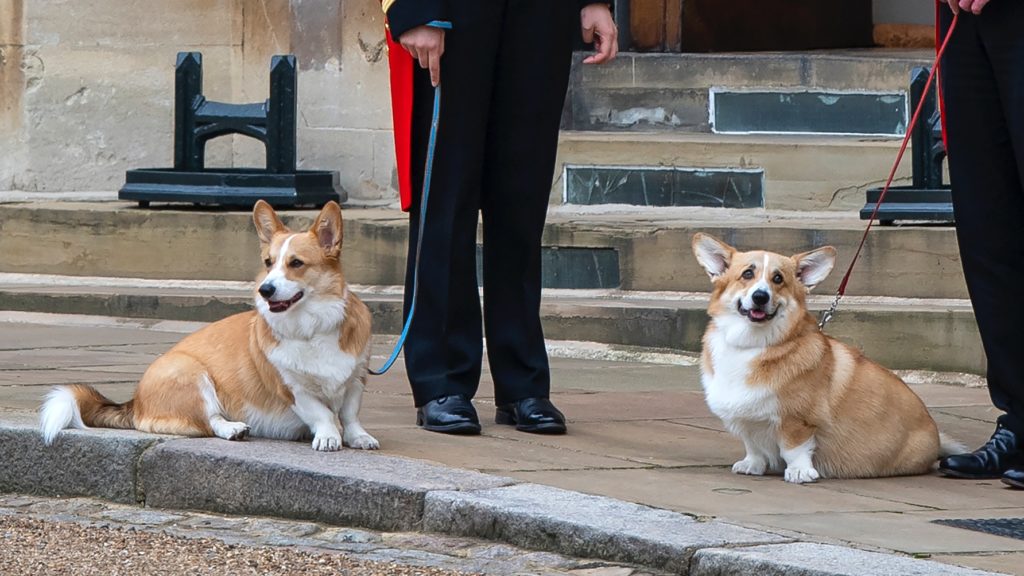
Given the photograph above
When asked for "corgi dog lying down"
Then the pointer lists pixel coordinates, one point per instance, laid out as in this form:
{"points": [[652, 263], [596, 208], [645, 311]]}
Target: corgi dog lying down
{"points": [[293, 368]]}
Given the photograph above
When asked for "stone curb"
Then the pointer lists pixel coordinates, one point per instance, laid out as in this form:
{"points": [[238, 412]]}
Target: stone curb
{"points": [[810, 559], [103, 463], [290, 480], [542, 517], [383, 492]]}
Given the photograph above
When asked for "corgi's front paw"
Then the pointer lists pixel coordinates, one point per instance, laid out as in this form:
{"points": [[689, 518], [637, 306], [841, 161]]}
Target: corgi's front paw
{"points": [[751, 466], [801, 475], [362, 441], [327, 442]]}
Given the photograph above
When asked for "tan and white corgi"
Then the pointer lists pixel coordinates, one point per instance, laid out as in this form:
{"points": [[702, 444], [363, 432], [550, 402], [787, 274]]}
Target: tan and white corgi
{"points": [[804, 404], [293, 368]]}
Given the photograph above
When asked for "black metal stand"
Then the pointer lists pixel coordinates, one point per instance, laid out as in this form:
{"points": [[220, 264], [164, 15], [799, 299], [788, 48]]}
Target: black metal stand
{"points": [[927, 199], [198, 120]]}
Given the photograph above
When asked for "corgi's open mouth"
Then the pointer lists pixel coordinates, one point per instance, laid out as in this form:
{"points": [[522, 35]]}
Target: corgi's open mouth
{"points": [[282, 305], [756, 314]]}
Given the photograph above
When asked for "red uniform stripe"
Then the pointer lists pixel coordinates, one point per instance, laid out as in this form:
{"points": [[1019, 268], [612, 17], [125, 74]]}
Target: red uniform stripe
{"points": [[401, 65]]}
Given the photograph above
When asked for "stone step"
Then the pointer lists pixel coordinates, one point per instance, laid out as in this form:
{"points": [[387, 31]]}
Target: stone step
{"points": [[645, 249], [901, 333], [777, 172], [673, 92]]}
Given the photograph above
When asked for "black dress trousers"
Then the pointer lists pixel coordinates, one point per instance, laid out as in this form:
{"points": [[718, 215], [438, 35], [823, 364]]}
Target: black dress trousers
{"points": [[983, 89], [504, 75]]}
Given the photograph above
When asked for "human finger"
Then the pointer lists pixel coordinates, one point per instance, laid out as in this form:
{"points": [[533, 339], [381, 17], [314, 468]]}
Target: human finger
{"points": [[435, 66], [613, 42], [588, 34]]}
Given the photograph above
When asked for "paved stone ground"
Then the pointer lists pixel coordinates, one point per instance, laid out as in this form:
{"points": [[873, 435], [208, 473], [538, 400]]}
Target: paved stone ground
{"points": [[85, 536], [638, 431]]}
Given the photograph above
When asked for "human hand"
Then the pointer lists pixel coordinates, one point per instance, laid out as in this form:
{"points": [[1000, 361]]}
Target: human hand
{"points": [[426, 44], [972, 6], [599, 28]]}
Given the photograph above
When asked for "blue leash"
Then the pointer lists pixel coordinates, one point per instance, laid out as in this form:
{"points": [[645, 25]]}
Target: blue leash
{"points": [[431, 145]]}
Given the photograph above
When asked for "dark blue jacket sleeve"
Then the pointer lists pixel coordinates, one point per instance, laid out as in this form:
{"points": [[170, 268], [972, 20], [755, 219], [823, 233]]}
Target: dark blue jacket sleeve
{"points": [[405, 15]]}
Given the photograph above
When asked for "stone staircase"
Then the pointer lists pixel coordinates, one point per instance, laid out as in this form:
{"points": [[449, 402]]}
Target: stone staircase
{"points": [[791, 131], [625, 203], [906, 308]]}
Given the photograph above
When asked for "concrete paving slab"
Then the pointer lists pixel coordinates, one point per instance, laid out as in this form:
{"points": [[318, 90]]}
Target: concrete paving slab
{"points": [[714, 492], [69, 358], [291, 480], [1006, 563], [507, 452], [707, 422], [547, 518], [808, 559], [941, 396], [933, 491], [47, 378], [586, 376], [640, 406], [907, 532], [981, 412], [99, 463], [21, 336], [649, 443]]}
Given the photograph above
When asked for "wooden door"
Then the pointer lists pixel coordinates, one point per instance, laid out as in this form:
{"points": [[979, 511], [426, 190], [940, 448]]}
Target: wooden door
{"points": [[655, 25], [748, 25]]}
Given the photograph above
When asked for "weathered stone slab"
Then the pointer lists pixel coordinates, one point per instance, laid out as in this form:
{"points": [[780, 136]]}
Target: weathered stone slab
{"points": [[545, 518], [290, 480], [809, 559], [98, 462]]}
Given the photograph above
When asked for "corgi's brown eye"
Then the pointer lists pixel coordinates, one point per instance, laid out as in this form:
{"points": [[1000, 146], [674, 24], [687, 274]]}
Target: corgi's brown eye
{"points": [[748, 274], [777, 278], [267, 262], [295, 263]]}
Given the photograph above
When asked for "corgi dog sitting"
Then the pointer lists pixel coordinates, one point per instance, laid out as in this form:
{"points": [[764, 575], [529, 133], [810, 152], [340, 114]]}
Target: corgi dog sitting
{"points": [[293, 368], [804, 404]]}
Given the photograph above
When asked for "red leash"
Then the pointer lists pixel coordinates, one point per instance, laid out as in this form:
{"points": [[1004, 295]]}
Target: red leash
{"points": [[827, 315]]}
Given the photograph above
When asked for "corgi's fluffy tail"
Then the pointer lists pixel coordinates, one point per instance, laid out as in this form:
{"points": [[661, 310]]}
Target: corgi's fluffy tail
{"points": [[948, 446], [81, 406]]}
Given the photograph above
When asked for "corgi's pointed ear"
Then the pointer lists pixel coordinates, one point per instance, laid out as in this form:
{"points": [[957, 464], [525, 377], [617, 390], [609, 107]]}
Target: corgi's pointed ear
{"points": [[814, 266], [713, 254], [267, 222], [328, 227]]}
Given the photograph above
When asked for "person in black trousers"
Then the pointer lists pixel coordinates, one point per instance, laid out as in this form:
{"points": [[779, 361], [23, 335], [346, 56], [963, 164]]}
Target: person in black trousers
{"points": [[504, 69], [982, 80]]}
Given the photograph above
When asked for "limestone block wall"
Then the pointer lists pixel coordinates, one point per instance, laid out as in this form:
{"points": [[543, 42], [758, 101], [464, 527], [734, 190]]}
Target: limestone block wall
{"points": [[87, 86]]}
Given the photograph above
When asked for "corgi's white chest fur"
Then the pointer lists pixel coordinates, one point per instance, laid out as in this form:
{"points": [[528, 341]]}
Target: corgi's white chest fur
{"points": [[728, 391], [308, 355], [317, 364]]}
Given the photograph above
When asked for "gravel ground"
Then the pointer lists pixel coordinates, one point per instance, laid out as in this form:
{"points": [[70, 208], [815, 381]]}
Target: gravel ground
{"points": [[30, 546]]}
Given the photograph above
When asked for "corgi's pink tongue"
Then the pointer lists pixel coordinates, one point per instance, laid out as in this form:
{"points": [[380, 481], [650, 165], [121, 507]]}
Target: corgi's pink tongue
{"points": [[758, 314]]}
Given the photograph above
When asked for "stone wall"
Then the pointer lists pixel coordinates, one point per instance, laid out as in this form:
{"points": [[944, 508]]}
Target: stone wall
{"points": [[87, 86]]}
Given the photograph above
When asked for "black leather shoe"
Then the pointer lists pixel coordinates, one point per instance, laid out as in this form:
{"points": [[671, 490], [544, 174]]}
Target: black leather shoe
{"points": [[450, 415], [1014, 477], [537, 415], [999, 454]]}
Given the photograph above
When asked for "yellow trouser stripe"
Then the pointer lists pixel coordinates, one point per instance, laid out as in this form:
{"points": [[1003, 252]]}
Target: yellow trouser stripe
{"points": [[386, 4]]}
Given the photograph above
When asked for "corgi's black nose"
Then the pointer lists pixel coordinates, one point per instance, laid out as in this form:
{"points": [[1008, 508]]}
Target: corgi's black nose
{"points": [[760, 297], [267, 290]]}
